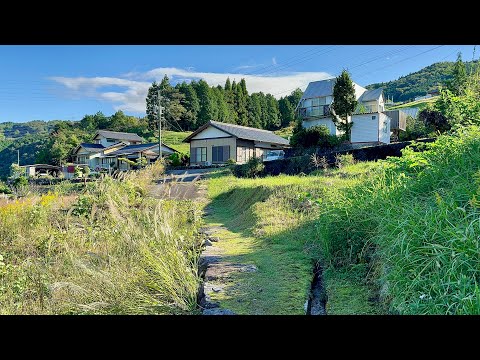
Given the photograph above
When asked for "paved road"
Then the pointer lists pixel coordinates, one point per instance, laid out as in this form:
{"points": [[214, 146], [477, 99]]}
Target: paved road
{"points": [[180, 185]]}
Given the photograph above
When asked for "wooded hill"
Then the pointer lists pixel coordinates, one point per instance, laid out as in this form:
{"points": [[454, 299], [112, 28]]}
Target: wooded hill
{"points": [[420, 82]]}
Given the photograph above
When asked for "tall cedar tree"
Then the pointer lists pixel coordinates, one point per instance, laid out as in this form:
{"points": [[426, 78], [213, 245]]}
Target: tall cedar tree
{"points": [[344, 103], [171, 102], [152, 106], [457, 84]]}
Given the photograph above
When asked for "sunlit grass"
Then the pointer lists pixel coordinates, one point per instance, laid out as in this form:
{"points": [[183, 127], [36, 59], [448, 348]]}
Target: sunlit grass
{"points": [[108, 249]]}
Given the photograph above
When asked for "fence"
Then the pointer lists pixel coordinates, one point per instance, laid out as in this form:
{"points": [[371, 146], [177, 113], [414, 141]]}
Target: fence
{"points": [[297, 164]]}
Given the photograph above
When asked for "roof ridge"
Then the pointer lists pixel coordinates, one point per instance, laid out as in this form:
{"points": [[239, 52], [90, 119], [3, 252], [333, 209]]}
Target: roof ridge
{"points": [[241, 126]]}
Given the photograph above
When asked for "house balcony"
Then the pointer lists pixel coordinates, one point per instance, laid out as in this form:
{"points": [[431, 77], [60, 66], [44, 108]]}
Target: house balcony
{"points": [[315, 111]]}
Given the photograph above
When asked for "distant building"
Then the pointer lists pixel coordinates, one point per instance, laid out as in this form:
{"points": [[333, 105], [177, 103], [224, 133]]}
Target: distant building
{"points": [[370, 123], [109, 147], [216, 142], [428, 96]]}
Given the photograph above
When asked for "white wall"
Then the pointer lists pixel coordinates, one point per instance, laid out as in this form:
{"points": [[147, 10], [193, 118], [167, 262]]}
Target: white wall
{"points": [[384, 128], [324, 121], [365, 127], [210, 132]]}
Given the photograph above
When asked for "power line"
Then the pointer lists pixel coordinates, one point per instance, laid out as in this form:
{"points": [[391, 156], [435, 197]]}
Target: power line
{"points": [[391, 52], [411, 57], [270, 66]]}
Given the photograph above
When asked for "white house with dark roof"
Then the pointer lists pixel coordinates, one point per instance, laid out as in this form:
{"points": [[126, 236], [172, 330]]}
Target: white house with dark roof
{"points": [[110, 147], [216, 142], [108, 138], [370, 123]]}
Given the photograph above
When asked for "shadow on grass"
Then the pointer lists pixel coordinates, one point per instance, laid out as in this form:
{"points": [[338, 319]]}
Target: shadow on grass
{"points": [[284, 258]]}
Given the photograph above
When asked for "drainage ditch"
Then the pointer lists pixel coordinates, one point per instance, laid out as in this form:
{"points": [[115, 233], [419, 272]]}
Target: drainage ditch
{"points": [[317, 299]]}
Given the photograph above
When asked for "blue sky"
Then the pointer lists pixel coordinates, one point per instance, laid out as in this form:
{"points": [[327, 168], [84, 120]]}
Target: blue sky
{"points": [[66, 82]]}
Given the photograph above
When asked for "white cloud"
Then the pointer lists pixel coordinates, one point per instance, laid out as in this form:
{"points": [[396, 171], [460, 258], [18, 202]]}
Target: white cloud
{"points": [[274, 61], [133, 87]]}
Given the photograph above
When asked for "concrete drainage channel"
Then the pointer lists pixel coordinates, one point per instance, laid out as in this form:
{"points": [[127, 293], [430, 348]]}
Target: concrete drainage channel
{"points": [[215, 272], [317, 299]]}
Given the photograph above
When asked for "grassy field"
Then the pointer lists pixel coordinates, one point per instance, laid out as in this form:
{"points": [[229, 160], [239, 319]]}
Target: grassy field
{"points": [[174, 139], [107, 249], [271, 223], [420, 104], [399, 236]]}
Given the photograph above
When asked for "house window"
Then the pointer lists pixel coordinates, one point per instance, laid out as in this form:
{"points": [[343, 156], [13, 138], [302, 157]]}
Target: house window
{"points": [[111, 140], [199, 154], [374, 117], [220, 153], [106, 161], [244, 153]]}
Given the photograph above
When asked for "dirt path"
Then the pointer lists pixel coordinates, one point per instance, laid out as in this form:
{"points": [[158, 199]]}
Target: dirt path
{"points": [[218, 272], [215, 269], [181, 185]]}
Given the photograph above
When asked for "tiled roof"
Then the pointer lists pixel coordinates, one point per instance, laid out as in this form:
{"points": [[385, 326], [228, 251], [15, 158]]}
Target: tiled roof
{"points": [[371, 95], [243, 132], [92, 147], [119, 135], [130, 149]]}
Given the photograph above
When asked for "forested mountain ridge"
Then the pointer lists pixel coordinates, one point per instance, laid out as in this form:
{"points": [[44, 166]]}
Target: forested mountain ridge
{"points": [[186, 107], [420, 82]]}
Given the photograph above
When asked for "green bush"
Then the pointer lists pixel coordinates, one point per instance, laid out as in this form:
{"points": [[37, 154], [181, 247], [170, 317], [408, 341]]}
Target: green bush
{"points": [[316, 136], [415, 129], [4, 189], [231, 161], [252, 169], [178, 159]]}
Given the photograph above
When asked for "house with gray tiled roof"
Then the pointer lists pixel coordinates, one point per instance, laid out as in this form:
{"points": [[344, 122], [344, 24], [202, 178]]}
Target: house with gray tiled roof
{"points": [[216, 142], [110, 148]]}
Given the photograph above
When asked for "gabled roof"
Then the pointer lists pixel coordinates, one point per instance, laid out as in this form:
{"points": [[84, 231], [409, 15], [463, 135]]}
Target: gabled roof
{"points": [[119, 135], [90, 147], [130, 149], [242, 132], [319, 89], [325, 88], [371, 95]]}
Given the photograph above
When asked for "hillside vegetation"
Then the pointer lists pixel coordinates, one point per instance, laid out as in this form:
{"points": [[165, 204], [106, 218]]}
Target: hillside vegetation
{"points": [[420, 82], [403, 231], [107, 249]]}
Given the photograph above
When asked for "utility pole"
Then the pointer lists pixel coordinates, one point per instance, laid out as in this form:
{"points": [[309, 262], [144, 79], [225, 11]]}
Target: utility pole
{"points": [[159, 125]]}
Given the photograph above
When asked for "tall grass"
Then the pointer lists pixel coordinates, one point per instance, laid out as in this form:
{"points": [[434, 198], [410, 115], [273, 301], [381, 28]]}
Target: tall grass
{"points": [[108, 250], [416, 219]]}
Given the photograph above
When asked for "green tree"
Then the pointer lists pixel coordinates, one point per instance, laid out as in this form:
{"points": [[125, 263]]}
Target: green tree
{"points": [[295, 97], [152, 106], [241, 102], [287, 113], [344, 103], [457, 84], [191, 105], [273, 113], [206, 105], [255, 111], [171, 101], [230, 100]]}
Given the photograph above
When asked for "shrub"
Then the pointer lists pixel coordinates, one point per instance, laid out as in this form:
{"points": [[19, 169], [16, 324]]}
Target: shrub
{"points": [[316, 136], [342, 160], [178, 159], [4, 189], [415, 129], [253, 168], [231, 161]]}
